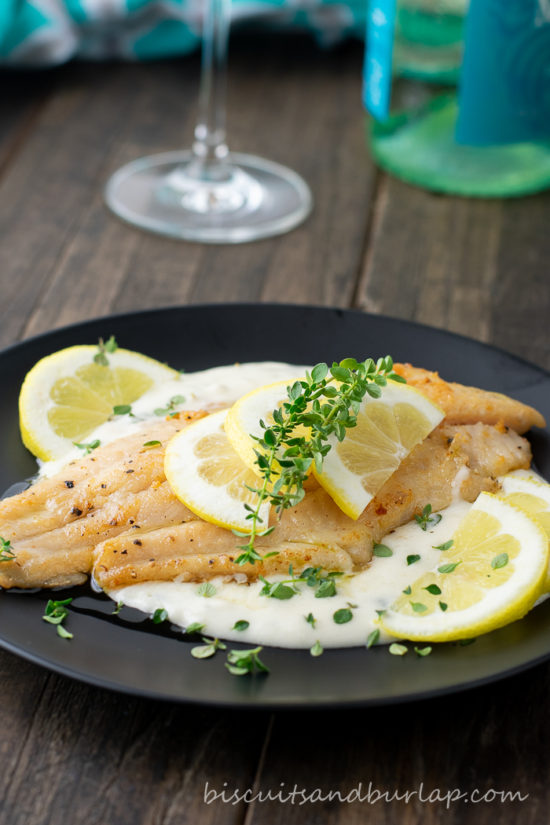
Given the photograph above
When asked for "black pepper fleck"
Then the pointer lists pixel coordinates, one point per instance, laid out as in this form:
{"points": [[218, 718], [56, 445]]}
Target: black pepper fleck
{"points": [[69, 484]]}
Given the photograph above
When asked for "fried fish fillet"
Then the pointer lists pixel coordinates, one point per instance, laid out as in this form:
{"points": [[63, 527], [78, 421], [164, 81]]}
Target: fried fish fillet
{"points": [[114, 510], [468, 405]]}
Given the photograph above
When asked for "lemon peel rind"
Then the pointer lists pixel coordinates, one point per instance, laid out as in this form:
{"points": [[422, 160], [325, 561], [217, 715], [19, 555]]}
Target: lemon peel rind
{"points": [[497, 610]]}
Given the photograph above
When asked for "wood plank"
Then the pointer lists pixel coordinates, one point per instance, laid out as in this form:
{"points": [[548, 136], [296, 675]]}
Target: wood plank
{"points": [[280, 104], [91, 757], [476, 267], [489, 738]]}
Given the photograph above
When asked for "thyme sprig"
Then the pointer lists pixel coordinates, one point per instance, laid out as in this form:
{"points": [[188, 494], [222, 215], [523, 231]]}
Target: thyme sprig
{"points": [[104, 347], [315, 577], [325, 403]]}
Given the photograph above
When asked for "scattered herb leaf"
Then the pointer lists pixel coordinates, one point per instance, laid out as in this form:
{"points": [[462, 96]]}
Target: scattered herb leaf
{"points": [[423, 651], [418, 607], [398, 650], [242, 662], [92, 445], [433, 589], [448, 568], [382, 550], [500, 561], [427, 519], [6, 550], [342, 616], [316, 649], [413, 558], [241, 624], [373, 637], [160, 615], [445, 546]]}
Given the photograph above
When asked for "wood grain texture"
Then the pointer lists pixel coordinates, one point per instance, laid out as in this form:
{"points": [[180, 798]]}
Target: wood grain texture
{"points": [[481, 741], [91, 757], [476, 267]]}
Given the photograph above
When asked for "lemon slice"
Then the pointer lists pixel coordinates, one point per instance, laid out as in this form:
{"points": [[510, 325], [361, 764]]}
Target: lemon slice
{"points": [[206, 473], [532, 495], [243, 418], [492, 575], [66, 395], [388, 428]]}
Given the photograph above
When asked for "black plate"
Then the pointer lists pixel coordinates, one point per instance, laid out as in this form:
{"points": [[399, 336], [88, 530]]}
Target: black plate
{"points": [[128, 653]]}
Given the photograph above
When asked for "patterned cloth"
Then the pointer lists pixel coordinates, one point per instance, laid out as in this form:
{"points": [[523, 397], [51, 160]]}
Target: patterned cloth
{"points": [[46, 32]]}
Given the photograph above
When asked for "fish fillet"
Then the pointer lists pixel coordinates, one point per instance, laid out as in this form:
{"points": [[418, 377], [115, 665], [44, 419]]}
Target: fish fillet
{"points": [[468, 405]]}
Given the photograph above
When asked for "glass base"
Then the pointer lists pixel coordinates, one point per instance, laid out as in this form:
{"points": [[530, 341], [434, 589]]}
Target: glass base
{"points": [[162, 193], [420, 148]]}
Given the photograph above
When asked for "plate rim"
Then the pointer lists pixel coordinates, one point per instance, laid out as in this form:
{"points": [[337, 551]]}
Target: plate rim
{"points": [[257, 703]]}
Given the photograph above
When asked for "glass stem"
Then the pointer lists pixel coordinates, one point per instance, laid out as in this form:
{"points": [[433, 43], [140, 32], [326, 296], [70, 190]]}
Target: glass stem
{"points": [[210, 152]]}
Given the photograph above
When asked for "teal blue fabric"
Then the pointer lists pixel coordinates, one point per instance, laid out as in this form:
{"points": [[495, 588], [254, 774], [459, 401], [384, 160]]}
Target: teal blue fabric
{"points": [[48, 32]]}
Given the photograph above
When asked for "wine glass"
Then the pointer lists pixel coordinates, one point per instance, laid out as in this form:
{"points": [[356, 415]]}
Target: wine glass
{"points": [[207, 193]]}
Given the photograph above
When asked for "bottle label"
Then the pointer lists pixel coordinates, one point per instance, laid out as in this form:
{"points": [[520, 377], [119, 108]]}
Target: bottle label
{"points": [[377, 72], [505, 86]]}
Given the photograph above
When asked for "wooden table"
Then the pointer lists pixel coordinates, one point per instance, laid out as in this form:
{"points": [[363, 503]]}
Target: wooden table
{"points": [[80, 755]]}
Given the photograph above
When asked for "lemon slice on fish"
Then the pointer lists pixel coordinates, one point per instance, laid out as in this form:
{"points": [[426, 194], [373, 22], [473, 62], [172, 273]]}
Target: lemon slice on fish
{"points": [[66, 395], [491, 575], [356, 468], [209, 477], [532, 495]]}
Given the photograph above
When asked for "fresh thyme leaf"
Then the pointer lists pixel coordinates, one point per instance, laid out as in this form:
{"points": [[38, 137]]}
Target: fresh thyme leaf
{"points": [[152, 443], [194, 627], [423, 651], [325, 403], [342, 616], [169, 409], [122, 409], [316, 649], [206, 589], [310, 618], [499, 561], [104, 347], [398, 650], [448, 568], [55, 613], [418, 607], [381, 550], [433, 589], [92, 445], [380, 612], [242, 662], [326, 589], [118, 608], [373, 637], [407, 591], [446, 546], [427, 519], [160, 615], [414, 557], [6, 550], [443, 606], [241, 624], [207, 650]]}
